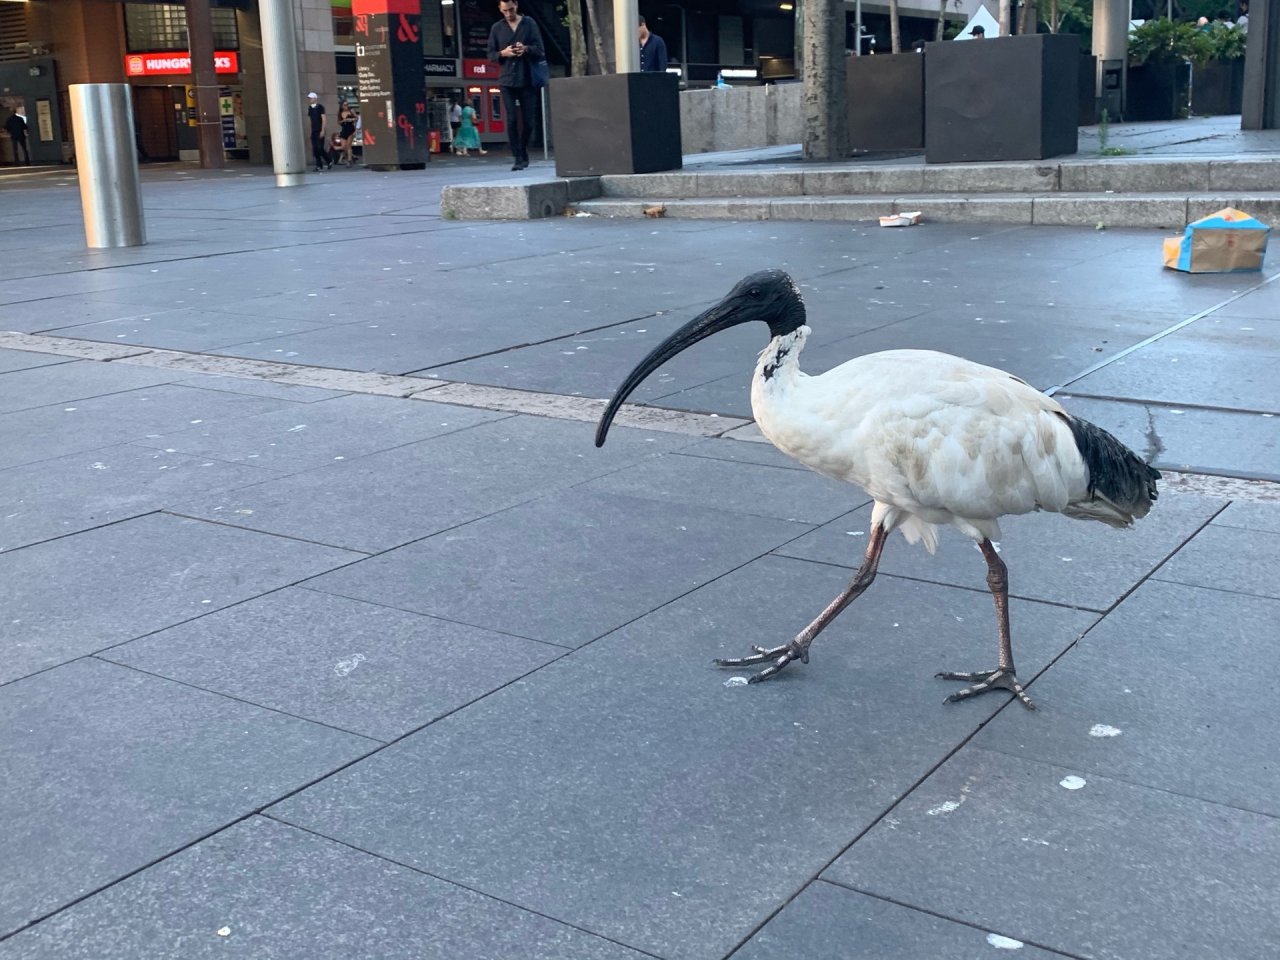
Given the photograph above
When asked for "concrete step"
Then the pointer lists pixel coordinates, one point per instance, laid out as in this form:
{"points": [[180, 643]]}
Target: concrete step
{"points": [[1098, 175], [1165, 210]]}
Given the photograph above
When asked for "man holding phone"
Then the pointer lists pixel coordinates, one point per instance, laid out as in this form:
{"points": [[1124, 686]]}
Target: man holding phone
{"points": [[515, 43]]}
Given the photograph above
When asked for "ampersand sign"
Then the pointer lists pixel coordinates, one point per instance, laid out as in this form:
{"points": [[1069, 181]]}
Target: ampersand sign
{"points": [[407, 32]]}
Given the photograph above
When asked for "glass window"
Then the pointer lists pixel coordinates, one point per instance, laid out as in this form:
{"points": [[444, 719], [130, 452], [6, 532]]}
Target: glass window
{"points": [[163, 26]]}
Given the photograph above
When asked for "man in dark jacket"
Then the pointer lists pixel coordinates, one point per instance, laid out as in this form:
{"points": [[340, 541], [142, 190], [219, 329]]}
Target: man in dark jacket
{"points": [[653, 51], [515, 43], [16, 127]]}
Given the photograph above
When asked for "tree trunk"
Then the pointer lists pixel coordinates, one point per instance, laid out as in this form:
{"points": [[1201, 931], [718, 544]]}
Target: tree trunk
{"points": [[1006, 17], [895, 28], [826, 123], [940, 34], [1030, 16], [1055, 21], [578, 66], [593, 25]]}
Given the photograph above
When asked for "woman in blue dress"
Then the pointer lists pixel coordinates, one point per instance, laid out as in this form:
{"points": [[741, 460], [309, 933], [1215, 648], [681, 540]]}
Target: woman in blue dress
{"points": [[468, 137]]}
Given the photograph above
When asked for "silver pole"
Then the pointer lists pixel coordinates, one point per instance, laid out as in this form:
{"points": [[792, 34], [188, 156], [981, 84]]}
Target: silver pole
{"points": [[107, 164], [284, 97], [545, 152], [857, 27], [626, 18]]}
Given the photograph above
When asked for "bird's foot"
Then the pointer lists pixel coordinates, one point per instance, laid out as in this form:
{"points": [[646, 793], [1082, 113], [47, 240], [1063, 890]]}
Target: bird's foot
{"points": [[1002, 678], [776, 657]]}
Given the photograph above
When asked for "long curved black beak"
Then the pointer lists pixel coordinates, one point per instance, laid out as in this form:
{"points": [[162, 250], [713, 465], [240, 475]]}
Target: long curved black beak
{"points": [[700, 327]]}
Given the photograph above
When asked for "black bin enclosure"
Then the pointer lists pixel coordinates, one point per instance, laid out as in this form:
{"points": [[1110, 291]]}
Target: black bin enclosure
{"points": [[1008, 98], [616, 124], [886, 101]]}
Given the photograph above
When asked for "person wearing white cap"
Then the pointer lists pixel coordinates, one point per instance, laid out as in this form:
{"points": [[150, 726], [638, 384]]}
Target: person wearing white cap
{"points": [[318, 147]]}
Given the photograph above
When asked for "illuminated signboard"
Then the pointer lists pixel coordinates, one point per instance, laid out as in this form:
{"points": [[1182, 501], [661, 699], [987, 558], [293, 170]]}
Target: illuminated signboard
{"points": [[166, 64]]}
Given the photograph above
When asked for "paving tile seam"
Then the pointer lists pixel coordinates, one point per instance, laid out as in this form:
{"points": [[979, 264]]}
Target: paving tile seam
{"points": [[892, 805], [1203, 586], [81, 898], [1168, 404], [1115, 778], [217, 522], [432, 616], [1056, 951], [385, 858], [1160, 335], [98, 655], [984, 591]]}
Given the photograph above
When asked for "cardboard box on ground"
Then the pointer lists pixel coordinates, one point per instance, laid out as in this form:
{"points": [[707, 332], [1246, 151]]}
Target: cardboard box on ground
{"points": [[1223, 242]]}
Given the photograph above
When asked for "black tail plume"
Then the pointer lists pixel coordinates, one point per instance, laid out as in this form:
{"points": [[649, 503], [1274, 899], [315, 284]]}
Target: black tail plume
{"points": [[1115, 471]]}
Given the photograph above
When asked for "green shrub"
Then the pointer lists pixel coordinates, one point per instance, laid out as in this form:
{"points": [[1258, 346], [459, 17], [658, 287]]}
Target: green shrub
{"points": [[1167, 41], [1226, 42]]}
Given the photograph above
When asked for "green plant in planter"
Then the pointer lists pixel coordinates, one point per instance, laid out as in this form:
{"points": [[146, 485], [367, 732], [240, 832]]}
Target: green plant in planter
{"points": [[1167, 41], [1226, 42]]}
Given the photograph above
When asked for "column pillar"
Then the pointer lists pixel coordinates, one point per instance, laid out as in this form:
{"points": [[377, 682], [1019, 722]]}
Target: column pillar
{"points": [[285, 111], [208, 112]]}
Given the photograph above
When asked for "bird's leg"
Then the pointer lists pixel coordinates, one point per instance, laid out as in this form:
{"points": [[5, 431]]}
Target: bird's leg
{"points": [[798, 649], [1003, 676]]}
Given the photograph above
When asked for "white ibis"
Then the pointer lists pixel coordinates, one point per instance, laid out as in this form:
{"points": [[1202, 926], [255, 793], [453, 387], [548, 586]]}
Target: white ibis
{"points": [[933, 439]]}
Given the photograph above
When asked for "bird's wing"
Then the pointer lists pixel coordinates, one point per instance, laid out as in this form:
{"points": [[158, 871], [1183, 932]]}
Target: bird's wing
{"points": [[945, 437]]}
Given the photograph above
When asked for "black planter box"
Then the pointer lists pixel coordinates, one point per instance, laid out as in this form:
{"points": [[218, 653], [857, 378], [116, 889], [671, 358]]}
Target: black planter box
{"points": [[886, 101], [1217, 88], [1007, 98], [1157, 91], [616, 123]]}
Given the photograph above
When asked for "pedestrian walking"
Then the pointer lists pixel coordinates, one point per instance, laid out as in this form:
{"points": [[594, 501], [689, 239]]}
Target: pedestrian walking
{"points": [[468, 137], [16, 127], [319, 149], [455, 121], [653, 51], [346, 132], [515, 43]]}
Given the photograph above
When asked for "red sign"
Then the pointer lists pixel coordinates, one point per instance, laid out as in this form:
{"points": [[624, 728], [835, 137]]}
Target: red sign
{"points": [[480, 70], [165, 64]]}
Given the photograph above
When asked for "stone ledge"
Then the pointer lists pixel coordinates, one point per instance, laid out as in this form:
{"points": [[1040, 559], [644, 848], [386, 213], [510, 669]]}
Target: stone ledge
{"points": [[515, 201]]}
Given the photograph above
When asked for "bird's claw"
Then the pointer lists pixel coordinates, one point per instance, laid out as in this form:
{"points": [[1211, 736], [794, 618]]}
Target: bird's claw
{"points": [[780, 657], [1002, 678]]}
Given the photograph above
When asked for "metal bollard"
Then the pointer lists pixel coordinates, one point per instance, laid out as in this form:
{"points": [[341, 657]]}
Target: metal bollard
{"points": [[107, 163]]}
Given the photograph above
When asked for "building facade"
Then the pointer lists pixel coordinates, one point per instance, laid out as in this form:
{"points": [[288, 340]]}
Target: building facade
{"points": [[47, 45]]}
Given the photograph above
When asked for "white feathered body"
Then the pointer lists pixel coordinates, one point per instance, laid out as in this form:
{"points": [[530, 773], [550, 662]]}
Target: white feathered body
{"points": [[934, 439]]}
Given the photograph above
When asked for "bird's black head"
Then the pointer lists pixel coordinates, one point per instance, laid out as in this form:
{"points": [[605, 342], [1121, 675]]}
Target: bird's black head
{"points": [[769, 296]]}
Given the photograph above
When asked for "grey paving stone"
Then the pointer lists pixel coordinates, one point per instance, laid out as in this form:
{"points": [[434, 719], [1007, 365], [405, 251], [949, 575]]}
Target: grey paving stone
{"points": [[738, 451], [290, 895], [1050, 557], [1132, 700], [829, 922], [135, 769], [67, 382], [566, 568], [186, 329], [1214, 366], [1251, 516], [1110, 870], [638, 791], [83, 593], [11, 360], [52, 431], [56, 497], [382, 500], [368, 669], [1262, 303], [756, 490], [345, 427], [1225, 442], [63, 311], [1227, 558], [259, 388]]}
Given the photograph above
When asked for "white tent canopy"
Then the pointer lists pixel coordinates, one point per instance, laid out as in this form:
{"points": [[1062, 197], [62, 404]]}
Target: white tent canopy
{"points": [[981, 17]]}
